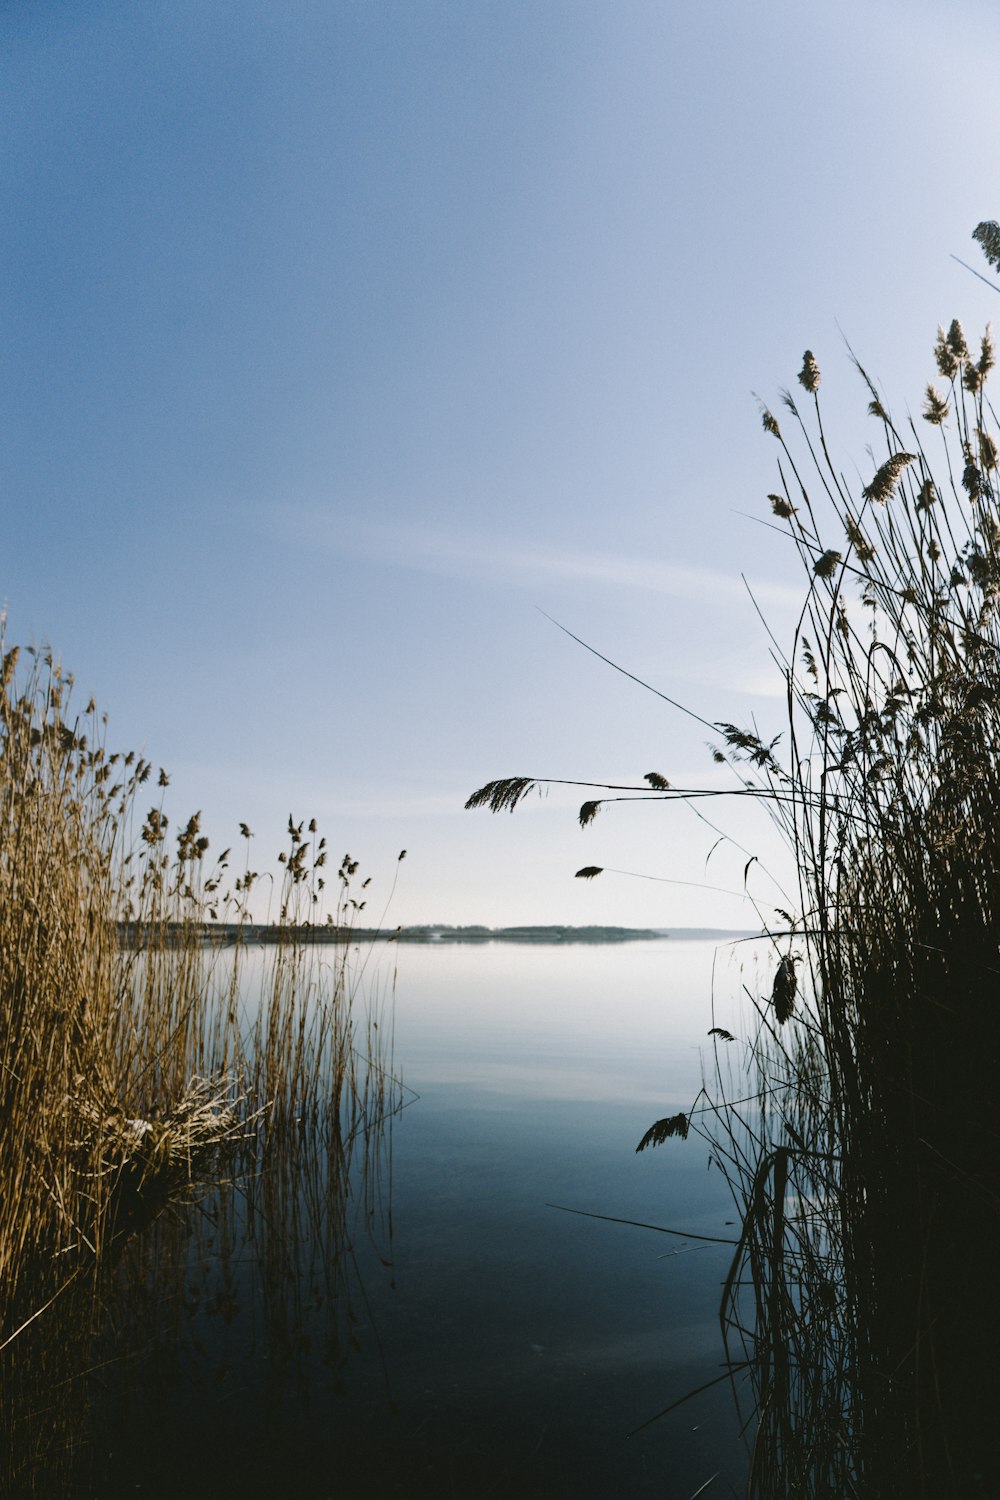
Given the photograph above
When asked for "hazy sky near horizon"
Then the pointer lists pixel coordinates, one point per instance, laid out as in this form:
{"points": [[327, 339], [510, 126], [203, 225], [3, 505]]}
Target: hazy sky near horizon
{"points": [[343, 342]]}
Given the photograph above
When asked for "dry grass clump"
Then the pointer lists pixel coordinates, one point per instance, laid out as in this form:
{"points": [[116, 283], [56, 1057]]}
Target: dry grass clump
{"points": [[144, 1164], [861, 1298], [136, 1058]]}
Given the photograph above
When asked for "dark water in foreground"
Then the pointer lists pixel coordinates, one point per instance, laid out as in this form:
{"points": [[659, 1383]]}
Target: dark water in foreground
{"points": [[509, 1347]]}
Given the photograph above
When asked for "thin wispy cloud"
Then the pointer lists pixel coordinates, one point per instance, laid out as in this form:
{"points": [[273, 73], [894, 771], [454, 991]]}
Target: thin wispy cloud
{"points": [[747, 670], [486, 560]]}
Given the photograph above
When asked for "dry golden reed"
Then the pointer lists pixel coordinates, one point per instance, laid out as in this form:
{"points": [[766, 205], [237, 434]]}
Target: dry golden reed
{"points": [[132, 1069]]}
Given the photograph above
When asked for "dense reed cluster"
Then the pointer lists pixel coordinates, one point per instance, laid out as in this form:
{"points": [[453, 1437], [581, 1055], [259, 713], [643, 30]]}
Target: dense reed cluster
{"points": [[868, 1175], [140, 1062], [864, 1160]]}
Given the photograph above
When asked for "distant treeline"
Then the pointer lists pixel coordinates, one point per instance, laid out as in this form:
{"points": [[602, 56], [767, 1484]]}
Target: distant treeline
{"points": [[222, 933], [480, 934]]}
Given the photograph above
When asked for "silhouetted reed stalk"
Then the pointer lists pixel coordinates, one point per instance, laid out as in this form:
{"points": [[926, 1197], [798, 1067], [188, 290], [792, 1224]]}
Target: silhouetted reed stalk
{"points": [[140, 1066], [862, 1296]]}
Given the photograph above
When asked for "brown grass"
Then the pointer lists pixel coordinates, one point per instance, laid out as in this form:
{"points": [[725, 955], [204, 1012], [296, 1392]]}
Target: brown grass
{"points": [[137, 1063]]}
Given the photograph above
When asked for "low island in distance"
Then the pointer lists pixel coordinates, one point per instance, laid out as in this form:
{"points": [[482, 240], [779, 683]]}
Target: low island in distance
{"points": [[133, 934]]}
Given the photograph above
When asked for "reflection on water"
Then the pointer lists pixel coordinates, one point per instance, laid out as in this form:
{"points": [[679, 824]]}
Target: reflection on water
{"points": [[478, 1341]]}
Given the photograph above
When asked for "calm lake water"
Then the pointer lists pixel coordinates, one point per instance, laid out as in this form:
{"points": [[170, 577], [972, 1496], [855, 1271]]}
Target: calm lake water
{"points": [[482, 1342]]}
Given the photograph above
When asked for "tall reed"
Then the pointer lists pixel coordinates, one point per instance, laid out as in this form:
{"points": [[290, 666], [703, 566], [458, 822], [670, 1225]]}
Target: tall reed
{"points": [[139, 1059], [861, 1295], [873, 1210]]}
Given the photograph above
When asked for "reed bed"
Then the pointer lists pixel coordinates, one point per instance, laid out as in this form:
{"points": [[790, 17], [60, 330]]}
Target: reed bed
{"points": [[863, 1155], [872, 1210], [143, 1067]]}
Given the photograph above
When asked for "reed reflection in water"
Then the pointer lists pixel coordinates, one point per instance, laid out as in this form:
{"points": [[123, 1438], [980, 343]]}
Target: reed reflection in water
{"points": [[241, 1266], [478, 1341]]}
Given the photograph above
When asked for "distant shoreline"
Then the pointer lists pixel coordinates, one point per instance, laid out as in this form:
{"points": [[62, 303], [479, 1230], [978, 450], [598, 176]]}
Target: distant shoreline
{"points": [[226, 934]]}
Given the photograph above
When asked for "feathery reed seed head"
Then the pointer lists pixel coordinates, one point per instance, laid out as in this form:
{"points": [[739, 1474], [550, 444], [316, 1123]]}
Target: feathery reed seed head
{"points": [[944, 357], [987, 356], [499, 796], [662, 1130], [588, 812], [972, 479], [863, 549], [988, 236], [956, 341], [826, 565], [936, 409], [809, 375], [784, 989], [887, 477]]}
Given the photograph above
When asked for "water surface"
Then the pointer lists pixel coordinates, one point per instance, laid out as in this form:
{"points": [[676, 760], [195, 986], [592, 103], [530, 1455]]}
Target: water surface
{"points": [[490, 1344]]}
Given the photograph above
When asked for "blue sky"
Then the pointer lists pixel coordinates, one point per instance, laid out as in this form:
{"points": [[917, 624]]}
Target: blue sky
{"points": [[340, 340]]}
